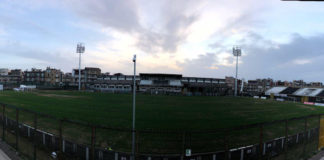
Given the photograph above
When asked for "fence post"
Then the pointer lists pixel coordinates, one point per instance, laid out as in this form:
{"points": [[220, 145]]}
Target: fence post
{"points": [[17, 128], [137, 141], [61, 139], [34, 135], [319, 131], [261, 141], [3, 122], [189, 140], [183, 144], [93, 137], [305, 140], [286, 139], [226, 140]]}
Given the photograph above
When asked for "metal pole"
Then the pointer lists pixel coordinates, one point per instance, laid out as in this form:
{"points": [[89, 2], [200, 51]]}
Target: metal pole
{"points": [[319, 131], [183, 151], [79, 71], [60, 155], [286, 139], [235, 92], [34, 136], [261, 141], [17, 129], [226, 140], [305, 133], [93, 143], [3, 122], [134, 96]]}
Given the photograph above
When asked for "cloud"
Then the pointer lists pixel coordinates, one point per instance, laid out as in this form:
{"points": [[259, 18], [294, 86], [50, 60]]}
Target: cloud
{"points": [[176, 17], [301, 58], [204, 65], [121, 15], [301, 61], [125, 16], [155, 42], [43, 58], [188, 36], [3, 32]]}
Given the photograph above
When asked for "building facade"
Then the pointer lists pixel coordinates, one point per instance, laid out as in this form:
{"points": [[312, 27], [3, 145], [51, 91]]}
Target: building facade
{"points": [[156, 83], [34, 76], [4, 71], [117, 83], [53, 77], [160, 83], [89, 75], [258, 86]]}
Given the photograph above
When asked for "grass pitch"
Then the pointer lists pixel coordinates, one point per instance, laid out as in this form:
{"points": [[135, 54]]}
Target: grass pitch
{"points": [[157, 111]]}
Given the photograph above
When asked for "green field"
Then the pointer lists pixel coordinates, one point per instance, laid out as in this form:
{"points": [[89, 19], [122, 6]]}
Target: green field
{"points": [[157, 111], [178, 114]]}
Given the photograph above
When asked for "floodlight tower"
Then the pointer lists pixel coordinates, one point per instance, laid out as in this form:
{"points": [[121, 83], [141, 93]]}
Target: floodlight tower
{"points": [[236, 52], [80, 49], [134, 95]]}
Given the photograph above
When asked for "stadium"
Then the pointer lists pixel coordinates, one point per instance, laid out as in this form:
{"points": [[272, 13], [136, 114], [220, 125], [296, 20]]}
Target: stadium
{"points": [[96, 125], [161, 80]]}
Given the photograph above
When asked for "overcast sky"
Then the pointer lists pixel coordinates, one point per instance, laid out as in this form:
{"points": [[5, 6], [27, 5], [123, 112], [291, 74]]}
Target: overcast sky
{"points": [[280, 40]]}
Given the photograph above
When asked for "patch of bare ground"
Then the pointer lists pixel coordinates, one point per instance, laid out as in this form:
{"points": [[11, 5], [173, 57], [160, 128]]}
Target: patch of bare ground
{"points": [[306, 107], [57, 95]]}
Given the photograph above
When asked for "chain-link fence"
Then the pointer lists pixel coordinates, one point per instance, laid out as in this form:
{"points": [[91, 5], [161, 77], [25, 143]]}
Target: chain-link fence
{"points": [[40, 136]]}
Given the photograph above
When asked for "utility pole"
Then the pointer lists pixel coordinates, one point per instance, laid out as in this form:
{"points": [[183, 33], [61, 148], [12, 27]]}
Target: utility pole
{"points": [[134, 96]]}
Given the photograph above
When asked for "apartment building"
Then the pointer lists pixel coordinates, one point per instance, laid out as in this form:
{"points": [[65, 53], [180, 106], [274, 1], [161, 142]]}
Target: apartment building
{"points": [[298, 83], [67, 78], [315, 84], [4, 71], [53, 76], [259, 86], [88, 75], [34, 76]]}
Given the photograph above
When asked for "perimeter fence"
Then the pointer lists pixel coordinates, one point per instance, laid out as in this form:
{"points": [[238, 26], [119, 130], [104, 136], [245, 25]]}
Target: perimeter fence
{"points": [[36, 136]]}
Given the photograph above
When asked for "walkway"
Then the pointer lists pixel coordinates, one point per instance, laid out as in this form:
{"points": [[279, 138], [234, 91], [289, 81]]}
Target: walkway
{"points": [[7, 152], [3, 156], [318, 156]]}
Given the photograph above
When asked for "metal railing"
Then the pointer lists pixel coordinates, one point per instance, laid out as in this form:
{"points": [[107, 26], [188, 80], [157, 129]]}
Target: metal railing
{"points": [[36, 136]]}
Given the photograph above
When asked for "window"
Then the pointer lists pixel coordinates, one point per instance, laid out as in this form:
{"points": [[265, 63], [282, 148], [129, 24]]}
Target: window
{"points": [[111, 87]]}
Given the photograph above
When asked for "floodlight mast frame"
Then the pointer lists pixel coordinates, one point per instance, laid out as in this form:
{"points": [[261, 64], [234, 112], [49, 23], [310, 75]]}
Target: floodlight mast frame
{"points": [[236, 52], [80, 49]]}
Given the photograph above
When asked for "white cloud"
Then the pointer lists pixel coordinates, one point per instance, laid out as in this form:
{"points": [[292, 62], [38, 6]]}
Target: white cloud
{"points": [[189, 36], [301, 61], [3, 32]]}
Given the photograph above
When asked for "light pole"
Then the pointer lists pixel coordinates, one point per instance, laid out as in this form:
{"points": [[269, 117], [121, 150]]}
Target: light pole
{"points": [[134, 95], [80, 49], [237, 53]]}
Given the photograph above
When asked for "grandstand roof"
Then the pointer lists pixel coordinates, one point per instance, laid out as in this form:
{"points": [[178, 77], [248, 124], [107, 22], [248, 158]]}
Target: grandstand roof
{"points": [[289, 90], [310, 92], [321, 94], [275, 90], [160, 75]]}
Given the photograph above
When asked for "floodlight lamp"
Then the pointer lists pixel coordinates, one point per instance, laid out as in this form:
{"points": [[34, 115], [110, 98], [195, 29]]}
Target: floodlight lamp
{"points": [[134, 58], [237, 51], [80, 48]]}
